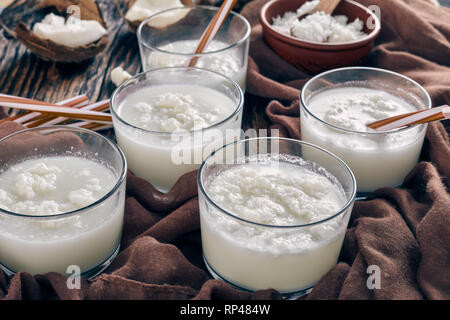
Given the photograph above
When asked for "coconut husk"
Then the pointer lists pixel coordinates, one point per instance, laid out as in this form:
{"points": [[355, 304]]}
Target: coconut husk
{"points": [[133, 25], [29, 12]]}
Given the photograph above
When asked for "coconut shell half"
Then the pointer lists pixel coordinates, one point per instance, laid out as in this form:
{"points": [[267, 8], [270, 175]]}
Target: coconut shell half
{"points": [[30, 12]]}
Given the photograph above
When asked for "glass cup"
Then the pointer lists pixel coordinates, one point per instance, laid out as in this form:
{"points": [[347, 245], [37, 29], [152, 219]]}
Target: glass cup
{"points": [[253, 256], [163, 157], [377, 158], [169, 38], [86, 239]]}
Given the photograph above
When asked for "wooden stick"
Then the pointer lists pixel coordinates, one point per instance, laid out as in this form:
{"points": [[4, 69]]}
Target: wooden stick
{"points": [[8, 98], [73, 102], [61, 111], [38, 116], [213, 27], [411, 118], [28, 115]]}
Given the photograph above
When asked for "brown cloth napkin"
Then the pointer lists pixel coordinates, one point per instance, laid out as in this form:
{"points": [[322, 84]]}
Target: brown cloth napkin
{"points": [[404, 231]]}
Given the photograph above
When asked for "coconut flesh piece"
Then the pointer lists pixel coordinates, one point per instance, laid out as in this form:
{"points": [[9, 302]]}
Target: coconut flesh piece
{"points": [[142, 9], [72, 33]]}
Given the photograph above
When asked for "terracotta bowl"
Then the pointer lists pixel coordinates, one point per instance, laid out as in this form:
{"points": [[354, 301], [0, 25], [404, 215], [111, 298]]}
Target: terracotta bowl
{"points": [[314, 57]]}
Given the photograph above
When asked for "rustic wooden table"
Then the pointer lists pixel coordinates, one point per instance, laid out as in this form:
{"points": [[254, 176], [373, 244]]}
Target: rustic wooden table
{"points": [[23, 74]]}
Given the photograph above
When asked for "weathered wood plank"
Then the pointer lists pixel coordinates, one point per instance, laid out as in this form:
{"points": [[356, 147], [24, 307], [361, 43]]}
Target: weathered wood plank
{"points": [[23, 74]]}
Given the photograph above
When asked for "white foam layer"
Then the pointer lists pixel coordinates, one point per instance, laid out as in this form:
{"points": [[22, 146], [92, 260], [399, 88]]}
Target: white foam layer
{"points": [[53, 185], [175, 108]]}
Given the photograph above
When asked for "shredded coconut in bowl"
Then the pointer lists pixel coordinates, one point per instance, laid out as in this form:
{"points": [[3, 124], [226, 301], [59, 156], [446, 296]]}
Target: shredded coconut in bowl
{"points": [[319, 26]]}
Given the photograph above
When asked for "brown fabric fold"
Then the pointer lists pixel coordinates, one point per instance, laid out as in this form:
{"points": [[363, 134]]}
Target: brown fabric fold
{"points": [[52, 142], [404, 231]]}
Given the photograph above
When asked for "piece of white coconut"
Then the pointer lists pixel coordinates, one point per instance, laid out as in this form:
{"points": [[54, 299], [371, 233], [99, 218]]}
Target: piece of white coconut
{"points": [[72, 33]]}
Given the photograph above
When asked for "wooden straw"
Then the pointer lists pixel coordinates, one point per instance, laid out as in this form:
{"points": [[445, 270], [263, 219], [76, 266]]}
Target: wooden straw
{"points": [[411, 118], [75, 102], [213, 27], [61, 111]]}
